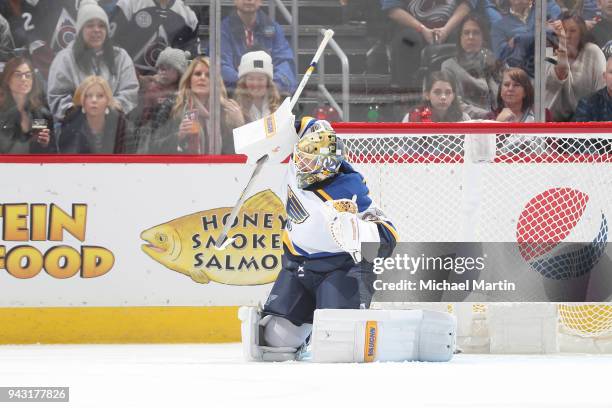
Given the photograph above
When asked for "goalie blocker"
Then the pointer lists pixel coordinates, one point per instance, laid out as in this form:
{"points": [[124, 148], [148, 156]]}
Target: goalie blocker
{"points": [[356, 336]]}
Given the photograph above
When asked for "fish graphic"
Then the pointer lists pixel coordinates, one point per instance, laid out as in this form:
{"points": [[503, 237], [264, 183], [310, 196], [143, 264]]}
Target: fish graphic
{"points": [[186, 244]]}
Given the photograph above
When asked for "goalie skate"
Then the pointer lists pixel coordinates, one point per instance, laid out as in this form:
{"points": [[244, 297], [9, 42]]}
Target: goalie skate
{"points": [[251, 331]]}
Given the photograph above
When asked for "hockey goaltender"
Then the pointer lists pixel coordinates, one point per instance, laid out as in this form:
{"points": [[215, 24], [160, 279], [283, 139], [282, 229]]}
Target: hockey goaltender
{"points": [[322, 278]]}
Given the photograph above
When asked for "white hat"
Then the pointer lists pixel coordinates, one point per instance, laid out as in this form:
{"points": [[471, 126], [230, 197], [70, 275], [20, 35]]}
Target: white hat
{"points": [[174, 57], [89, 10], [256, 61]]}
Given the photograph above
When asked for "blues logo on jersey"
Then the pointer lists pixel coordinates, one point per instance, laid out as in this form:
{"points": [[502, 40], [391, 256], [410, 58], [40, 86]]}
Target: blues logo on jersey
{"points": [[295, 210]]}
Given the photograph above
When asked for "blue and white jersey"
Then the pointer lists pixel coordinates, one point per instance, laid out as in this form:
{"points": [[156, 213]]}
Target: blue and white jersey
{"points": [[307, 233]]}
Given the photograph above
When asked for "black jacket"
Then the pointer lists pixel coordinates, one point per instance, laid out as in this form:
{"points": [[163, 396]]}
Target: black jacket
{"points": [[14, 141], [78, 138]]}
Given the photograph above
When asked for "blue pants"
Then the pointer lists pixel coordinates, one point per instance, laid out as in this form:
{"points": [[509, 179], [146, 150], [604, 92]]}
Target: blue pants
{"points": [[302, 287]]}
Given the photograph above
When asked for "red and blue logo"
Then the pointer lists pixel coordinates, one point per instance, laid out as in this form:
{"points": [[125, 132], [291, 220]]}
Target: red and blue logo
{"points": [[561, 233]]}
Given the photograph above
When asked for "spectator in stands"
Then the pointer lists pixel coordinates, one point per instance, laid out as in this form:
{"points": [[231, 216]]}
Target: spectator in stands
{"points": [[416, 28], [578, 71], [97, 126], [440, 101], [45, 28], [182, 122], [145, 28], [155, 89], [474, 68], [515, 97], [92, 53], [248, 28], [515, 104], [256, 92], [25, 123], [513, 36], [597, 107], [602, 32]]}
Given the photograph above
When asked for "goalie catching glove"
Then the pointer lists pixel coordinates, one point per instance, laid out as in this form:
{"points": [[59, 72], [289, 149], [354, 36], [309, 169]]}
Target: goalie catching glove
{"points": [[348, 230]]}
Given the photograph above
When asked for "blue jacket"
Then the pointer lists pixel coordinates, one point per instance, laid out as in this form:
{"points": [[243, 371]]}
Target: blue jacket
{"points": [[595, 108], [523, 33], [269, 36]]}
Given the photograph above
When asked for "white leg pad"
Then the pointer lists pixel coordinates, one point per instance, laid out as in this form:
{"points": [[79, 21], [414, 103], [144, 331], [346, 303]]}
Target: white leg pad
{"points": [[253, 347], [347, 336]]}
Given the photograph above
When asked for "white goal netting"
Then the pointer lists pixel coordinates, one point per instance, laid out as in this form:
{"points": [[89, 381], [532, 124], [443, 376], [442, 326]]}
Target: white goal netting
{"points": [[532, 189]]}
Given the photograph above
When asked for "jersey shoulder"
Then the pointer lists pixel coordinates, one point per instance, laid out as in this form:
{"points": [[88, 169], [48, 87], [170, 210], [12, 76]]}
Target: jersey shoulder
{"points": [[345, 185]]}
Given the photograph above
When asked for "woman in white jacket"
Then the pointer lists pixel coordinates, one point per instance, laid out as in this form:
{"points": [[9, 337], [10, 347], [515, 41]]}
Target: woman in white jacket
{"points": [[91, 53], [578, 69]]}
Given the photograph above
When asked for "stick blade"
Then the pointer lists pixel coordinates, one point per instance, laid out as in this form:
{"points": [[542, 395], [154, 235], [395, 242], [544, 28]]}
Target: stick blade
{"points": [[262, 159], [273, 135]]}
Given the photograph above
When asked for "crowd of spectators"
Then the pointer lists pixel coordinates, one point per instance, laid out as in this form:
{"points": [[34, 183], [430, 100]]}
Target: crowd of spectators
{"points": [[131, 76], [494, 42]]}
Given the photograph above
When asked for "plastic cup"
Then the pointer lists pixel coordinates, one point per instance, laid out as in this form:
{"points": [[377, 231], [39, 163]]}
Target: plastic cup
{"points": [[192, 115]]}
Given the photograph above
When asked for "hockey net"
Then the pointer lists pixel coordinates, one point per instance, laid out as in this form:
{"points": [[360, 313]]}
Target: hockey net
{"points": [[535, 185]]}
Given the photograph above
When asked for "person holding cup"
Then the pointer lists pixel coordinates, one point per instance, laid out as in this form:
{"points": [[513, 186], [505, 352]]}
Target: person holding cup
{"points": [[183, 121], [97, 125], [25, 123]]}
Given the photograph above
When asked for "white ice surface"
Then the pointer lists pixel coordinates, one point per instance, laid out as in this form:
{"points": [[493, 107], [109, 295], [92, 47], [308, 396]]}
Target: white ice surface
{"points": [[171, 376]]}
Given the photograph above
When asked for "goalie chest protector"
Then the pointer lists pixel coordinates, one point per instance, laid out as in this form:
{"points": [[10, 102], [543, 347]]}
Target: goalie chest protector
{"points": [[307, 233]]}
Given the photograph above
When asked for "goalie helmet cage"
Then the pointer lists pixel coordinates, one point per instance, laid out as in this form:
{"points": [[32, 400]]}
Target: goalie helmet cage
{"points": [[492, 182]]}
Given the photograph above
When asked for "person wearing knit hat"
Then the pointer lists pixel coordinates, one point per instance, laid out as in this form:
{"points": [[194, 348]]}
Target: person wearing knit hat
{"points": [[174, 58], [256, 92], [256, 61], [89, 10], [91, 53], [155, 89]]}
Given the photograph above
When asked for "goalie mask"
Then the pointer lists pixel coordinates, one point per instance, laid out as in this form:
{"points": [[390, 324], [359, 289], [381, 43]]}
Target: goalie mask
{"points": [[318, 155]]}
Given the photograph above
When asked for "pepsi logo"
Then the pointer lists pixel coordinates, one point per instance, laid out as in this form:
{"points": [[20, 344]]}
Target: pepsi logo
{"points": [[562, 216]]}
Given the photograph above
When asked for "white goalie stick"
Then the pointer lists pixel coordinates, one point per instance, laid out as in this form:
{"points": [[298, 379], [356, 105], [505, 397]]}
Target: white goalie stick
{"points": [[223, 241], [313, 64]]}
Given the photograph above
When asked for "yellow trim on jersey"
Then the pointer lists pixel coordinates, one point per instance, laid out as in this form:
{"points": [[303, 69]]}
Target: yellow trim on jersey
{"points": [[389, 228], [324, 194], [289, 244], [134, 324]]}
